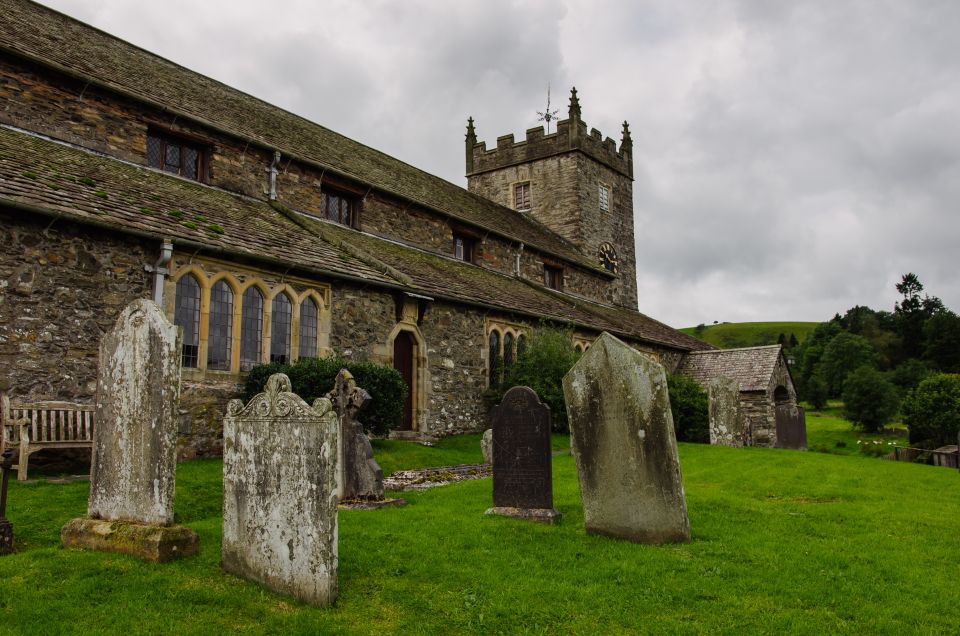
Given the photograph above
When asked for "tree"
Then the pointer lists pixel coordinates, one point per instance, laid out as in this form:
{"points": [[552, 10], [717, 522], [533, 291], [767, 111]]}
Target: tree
{"points": [[932, 411], [690, 409], [782, 340], [869, 399], [816, 391], [548, 355], [844, 353], [911, 313], [793, 341], [941, 337]]}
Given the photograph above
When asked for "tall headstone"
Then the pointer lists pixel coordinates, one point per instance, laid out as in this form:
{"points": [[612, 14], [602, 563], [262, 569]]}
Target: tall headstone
{"points": [[726, 427], [361, 478], [280, 492], [522, 459], [623, 441], [133, 467]]}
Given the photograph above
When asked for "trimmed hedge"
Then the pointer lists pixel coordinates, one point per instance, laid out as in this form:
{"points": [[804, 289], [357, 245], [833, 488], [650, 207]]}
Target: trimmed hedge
{"points": [[314, 377]]}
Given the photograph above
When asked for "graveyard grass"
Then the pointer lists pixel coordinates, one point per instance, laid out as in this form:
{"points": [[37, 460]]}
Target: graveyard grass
{"points": [[783, 541]]}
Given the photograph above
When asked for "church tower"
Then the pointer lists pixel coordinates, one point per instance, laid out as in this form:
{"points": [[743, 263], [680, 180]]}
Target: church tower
{"points": [[575, 182]]}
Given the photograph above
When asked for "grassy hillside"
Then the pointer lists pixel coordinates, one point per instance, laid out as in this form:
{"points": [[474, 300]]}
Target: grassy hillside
{"points": [[783, 542], [730, 335]]}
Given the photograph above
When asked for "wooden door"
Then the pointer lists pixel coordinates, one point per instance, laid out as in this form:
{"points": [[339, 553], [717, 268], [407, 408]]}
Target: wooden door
{"points": [[403, 361]]}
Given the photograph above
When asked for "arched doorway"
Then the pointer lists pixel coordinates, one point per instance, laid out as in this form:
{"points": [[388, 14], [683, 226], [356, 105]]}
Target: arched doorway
{"points": [[405, 361]]}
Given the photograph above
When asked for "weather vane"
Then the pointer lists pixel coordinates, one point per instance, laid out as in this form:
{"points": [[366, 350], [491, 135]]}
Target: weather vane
{"points": [[548, 115]]}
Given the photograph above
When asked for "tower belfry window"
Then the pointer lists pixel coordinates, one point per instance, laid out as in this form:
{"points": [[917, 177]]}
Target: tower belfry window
{"points": [[604, 198], [521, 196]]}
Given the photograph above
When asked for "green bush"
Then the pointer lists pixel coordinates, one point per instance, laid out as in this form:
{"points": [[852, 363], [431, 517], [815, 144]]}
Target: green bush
{"points": [[869, 399], [689, 406], [816, 392], [548, 355], [314, 377], [932, 411]]}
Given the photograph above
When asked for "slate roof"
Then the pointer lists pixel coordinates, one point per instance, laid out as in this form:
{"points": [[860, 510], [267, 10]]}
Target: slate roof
{"points": [[752, 367], [55, 40], [42, 175]]}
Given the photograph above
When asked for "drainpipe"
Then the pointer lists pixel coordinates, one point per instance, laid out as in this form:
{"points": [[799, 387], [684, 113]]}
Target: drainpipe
{"points": [[160, 271]]}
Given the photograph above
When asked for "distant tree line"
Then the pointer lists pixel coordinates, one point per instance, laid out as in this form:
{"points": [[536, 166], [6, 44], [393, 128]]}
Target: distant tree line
{"points": [[878, 361]]}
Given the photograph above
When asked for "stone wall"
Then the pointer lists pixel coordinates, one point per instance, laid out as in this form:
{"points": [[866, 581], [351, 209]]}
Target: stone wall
{"points": [[61, 289], [756, 409]]}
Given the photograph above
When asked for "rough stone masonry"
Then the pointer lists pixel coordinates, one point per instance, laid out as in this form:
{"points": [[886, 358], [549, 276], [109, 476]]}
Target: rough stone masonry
{"points": [[133, 468], [280, 492], [623, 441]]}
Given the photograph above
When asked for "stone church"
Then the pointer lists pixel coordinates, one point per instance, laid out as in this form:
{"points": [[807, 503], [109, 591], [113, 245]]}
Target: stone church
{"points": [[267, 237]]}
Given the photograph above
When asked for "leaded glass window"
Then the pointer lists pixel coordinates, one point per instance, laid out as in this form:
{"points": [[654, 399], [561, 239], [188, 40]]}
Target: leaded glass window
{"points": [[521, 346], [220, 335], [187, 316], [308, 329], [338, 207], [251, 328], [282, 311], [507, 350], [176, 156], [494, 358]]}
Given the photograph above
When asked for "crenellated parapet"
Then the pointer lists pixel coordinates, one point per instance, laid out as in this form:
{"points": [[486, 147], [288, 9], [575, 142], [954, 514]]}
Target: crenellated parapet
{"points": [[572, 134]]}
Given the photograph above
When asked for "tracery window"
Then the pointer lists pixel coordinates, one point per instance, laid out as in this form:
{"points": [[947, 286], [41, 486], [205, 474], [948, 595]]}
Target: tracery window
{"points": [[176, 155], [187, 315], [220, 335], [308, 329], [282, 311], [251, 328], [494, 358]]}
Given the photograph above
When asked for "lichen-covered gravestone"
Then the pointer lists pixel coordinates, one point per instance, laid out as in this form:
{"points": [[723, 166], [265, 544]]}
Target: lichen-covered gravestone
{"points": [[361, 478], [726, 428], [622, 437], [486, 446], [280, 492], [522, 459], [133, 467]]}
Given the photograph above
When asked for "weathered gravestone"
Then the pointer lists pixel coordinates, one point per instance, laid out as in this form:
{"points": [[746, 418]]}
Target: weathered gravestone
{"points": [[134, 461], [726, 427], [622, 437], [522, 460], [486, 446], [280, 492], [360, 478]]}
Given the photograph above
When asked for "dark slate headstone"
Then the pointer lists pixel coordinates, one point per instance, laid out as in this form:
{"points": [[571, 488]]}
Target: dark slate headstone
{"points": [[522, 461]]}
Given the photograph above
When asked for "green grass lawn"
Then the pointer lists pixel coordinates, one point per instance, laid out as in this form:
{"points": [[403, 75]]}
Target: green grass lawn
{"points": [[750, 334], [394, 455], [783, 542], [829, 432]]}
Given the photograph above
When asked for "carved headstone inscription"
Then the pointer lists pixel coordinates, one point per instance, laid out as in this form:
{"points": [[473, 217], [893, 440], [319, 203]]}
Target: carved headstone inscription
{"points": [[522, 467], [280, 494], [361, 478], [726, 428], [622, 437], [133, 467]]}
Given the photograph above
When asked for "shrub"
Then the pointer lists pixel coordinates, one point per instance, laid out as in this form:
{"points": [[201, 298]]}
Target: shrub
{"points": [[689, 406], [549, 354], [869, 399], [314, 377], [932, 411]]}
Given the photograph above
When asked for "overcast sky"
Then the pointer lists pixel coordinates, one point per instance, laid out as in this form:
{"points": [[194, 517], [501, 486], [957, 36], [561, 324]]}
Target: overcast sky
{"points": [[792, 159]]}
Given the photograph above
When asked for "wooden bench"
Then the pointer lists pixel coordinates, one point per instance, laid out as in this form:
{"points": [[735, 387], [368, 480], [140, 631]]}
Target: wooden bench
{"points": [[35, 426]]}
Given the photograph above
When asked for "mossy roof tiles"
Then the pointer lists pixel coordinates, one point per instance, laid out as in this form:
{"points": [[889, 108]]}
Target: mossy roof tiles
{"points": [[45, 36], [91, 188], [751, 367]]}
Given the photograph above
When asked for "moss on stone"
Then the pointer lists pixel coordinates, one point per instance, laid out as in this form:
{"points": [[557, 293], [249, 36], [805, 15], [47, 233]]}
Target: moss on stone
{"points": [[101, 194], [190, 224], [215, 228], [28, 174], [87, 181]]}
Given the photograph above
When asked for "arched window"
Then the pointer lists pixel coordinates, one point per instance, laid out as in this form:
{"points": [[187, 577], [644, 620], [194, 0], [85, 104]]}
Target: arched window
{"points": [[187, 315], [578, 348], [308, 329], [280, 328], [521, 346], [494, 359], [220, 336], [507, 350], [251, 328]]}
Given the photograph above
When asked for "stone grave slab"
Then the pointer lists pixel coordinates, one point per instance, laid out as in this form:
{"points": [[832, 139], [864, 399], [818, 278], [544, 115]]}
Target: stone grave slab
{"points": [[486, 446], [624, 444], [280, 463], [522, 458], [133, 465], [726, 427]]}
